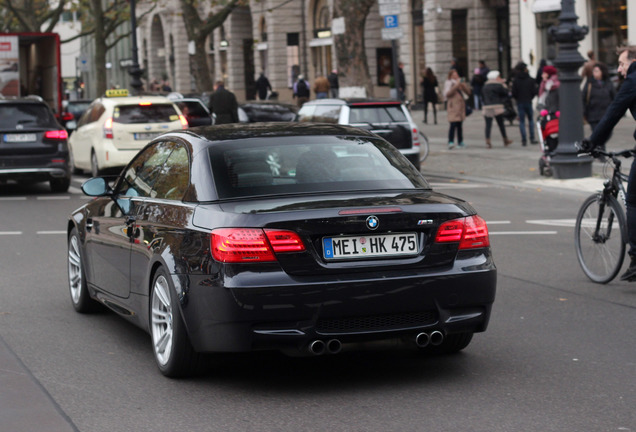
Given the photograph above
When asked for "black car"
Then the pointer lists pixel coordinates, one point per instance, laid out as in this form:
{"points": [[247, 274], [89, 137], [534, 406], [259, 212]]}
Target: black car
{"points": [[267, 111], [73, 110], [33, 145], [296, 237]]}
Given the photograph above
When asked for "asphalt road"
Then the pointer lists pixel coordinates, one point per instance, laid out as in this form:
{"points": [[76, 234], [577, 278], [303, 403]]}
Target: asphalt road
{"points": [[559, 354]]}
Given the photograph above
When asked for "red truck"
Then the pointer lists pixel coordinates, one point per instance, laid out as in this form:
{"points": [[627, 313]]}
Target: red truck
{"points": [[30, 64]]}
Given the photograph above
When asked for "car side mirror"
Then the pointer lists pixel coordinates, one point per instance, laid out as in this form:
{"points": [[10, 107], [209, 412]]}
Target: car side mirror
{"points": [[97, 186]]}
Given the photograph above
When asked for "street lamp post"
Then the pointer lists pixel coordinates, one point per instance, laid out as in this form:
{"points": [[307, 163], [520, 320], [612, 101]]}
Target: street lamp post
{"points": [[134, 70], [565, 163]]}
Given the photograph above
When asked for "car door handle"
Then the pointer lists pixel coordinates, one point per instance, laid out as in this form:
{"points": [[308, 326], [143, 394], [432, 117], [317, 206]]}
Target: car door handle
{"points": [[89, 224]]}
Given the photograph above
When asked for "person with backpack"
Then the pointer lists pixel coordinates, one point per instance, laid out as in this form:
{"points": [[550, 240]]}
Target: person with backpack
{"points": [[301, 90]]}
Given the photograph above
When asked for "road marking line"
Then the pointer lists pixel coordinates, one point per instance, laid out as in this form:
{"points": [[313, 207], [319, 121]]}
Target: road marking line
{"points": [[497, 222], [50, 232], [45, 198], [553, 222], [10, 232], [75, 190], [524, 233], [13, 199]]}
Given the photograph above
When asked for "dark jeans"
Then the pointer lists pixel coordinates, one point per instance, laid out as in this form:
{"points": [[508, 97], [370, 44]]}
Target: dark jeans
{"points": [[426, 111], [500, 123], [630, 199], [456, 126], [524, 109]]}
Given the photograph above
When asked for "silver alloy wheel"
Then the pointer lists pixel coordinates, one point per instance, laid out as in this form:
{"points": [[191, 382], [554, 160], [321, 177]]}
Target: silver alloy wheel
{"points": [[75, 269], [161, 321]]}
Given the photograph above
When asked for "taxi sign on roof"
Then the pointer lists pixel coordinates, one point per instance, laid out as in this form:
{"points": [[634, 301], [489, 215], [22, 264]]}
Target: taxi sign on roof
{"points": [[117, 93]]}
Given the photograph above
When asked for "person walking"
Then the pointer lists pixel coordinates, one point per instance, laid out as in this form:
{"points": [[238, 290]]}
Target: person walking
{"points": [[455, 93], [430, 88], [549, 90], [598, 93], [625, 99], [495, 95], [400, 83], [524, 89], [478, 81], [334, 87], [301, 90], [223, 104], [586, 70], [262, 86], [321, 87]]}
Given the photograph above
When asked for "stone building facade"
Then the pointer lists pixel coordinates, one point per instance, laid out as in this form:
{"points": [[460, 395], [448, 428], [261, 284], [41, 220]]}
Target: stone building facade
{"points": [[284, 39]]}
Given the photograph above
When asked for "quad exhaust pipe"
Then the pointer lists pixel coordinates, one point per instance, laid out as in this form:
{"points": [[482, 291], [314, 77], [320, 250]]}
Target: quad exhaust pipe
{"points": [[318, 347], [434, 338]]}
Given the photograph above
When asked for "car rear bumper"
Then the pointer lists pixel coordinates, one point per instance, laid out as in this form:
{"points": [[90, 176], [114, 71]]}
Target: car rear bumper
{"points": [[291, 316]]}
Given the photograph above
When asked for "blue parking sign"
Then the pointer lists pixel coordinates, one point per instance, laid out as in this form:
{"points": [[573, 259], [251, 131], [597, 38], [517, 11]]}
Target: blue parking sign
{"points": [[390, 21]]}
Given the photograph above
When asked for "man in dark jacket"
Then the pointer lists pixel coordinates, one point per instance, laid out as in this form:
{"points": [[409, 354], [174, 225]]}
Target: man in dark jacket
{"points": [[625, 99], [223, 104], [524, 89], [333, 83], [262, 85]]}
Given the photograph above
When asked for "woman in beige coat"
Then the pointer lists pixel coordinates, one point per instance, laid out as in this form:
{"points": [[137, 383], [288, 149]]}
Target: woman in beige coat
{"points": [[455, 91]]}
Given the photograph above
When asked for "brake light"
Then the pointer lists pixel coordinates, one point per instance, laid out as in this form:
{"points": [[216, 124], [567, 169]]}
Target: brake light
{"points": [[471, 232], [108, 128], [240, 245], [67, 116], [56, 135], [416, 137], [145, 103], [184, 121]]}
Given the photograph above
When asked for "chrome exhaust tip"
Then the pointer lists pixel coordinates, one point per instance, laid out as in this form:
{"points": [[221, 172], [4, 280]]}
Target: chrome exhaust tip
{"points": [[317, 347], [422, 340], [334, 346], [437, 337]]}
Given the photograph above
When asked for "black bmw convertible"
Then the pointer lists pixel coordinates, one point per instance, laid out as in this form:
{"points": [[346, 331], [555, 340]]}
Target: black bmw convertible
{"points": [[303, 238]]}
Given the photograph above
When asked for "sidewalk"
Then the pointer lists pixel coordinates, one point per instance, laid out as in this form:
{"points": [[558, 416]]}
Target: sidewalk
{"points": [[514, 164]]}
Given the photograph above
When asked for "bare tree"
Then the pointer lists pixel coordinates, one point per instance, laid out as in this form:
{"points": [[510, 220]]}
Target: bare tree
{"points": [[353, 67], [30, 15], [199, 29]]}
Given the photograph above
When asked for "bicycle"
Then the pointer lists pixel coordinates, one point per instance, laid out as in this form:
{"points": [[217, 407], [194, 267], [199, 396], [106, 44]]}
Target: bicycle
{"points": [[600, 232], [423, 147]]}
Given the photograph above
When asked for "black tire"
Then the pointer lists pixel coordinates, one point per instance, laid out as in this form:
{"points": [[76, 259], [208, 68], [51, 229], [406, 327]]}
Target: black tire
{"points": [[173, 352], [80, 298], [95, 171], [601, 253], [452, 344], [60, 184]]}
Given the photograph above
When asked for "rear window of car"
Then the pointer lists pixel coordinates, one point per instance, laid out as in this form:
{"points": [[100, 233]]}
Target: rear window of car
{"points": [[319, 113], [77, 108], [13, 116], [289, 165], [377, 114], [192, 109], [152, 113]]}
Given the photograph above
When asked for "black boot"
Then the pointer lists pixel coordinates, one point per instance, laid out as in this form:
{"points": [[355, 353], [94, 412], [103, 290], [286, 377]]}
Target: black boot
{"points": [[630, 274]]}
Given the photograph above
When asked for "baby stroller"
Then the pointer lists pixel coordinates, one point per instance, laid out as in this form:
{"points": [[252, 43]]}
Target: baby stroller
{"points": [[548, 128]]}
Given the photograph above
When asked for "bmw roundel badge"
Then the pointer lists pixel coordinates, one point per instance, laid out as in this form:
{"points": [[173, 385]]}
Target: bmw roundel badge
{"points": [[373, 222]]}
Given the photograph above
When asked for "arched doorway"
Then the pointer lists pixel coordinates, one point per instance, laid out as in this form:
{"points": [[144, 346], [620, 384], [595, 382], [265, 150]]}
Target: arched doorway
{"points": [[321, 38]]}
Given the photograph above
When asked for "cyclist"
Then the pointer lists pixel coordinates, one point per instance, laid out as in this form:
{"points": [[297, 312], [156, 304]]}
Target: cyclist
{"points": [[625, 99]]}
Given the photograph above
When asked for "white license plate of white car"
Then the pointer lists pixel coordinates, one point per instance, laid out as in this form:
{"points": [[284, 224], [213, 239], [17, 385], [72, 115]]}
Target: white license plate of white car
{"points": [[18, 138], [146, 135], [369, 246]]}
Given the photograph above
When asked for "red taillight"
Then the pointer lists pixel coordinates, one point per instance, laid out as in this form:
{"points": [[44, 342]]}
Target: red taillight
{"points": [[108, 128], [67, 116], [56, 135], [240, 245], [184, 121], [145, 103], [471, 232], [416, 137]]}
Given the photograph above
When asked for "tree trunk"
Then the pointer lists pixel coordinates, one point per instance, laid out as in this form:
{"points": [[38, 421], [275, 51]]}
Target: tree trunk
{"points": [[353, 68], [100, 48]]}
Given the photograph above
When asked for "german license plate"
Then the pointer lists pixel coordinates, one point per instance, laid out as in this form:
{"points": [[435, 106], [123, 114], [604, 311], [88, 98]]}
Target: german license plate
{"points": [[18, 138], [146, 135], [369, 246]]}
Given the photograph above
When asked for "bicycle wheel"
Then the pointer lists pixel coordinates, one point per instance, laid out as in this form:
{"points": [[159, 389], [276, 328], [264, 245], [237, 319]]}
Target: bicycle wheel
{"points": [[423, 147], [599, 237]]}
